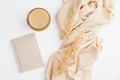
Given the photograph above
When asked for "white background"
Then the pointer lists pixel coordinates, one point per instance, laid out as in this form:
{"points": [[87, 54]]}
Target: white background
{"points": [[13, 24]]}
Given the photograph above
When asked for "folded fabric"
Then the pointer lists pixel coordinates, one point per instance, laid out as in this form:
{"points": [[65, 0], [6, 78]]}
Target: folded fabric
{"points": [[27, 53], [79, 21]]}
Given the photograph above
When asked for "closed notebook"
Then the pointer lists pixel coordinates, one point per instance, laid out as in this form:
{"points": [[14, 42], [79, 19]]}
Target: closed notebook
{"points": [[27, 53]]}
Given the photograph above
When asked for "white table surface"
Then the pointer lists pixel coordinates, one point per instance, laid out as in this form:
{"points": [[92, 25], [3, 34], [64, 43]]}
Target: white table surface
{"points": [[13, 24]]}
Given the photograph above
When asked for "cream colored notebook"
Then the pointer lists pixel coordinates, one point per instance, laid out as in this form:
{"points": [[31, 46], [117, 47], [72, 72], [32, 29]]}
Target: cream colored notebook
{"points": [[27, 53]]}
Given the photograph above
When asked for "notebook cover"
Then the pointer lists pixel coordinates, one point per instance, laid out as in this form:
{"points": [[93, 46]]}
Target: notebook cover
{"points": [[27, 53]]}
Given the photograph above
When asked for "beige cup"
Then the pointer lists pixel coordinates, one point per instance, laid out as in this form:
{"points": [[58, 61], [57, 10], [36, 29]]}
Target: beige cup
{"points": [[38, 19]]}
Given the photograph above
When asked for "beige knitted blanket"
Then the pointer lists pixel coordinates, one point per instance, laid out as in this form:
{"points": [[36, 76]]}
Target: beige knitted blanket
{"points": [[79, 21]]}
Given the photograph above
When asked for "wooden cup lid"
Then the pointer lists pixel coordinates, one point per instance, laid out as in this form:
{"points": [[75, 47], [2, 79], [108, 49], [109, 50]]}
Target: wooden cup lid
{"points": [[38, 19]]}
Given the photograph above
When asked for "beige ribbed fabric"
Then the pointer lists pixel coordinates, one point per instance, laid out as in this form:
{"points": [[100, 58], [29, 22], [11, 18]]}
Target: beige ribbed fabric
{"points": [[79, 21]]}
